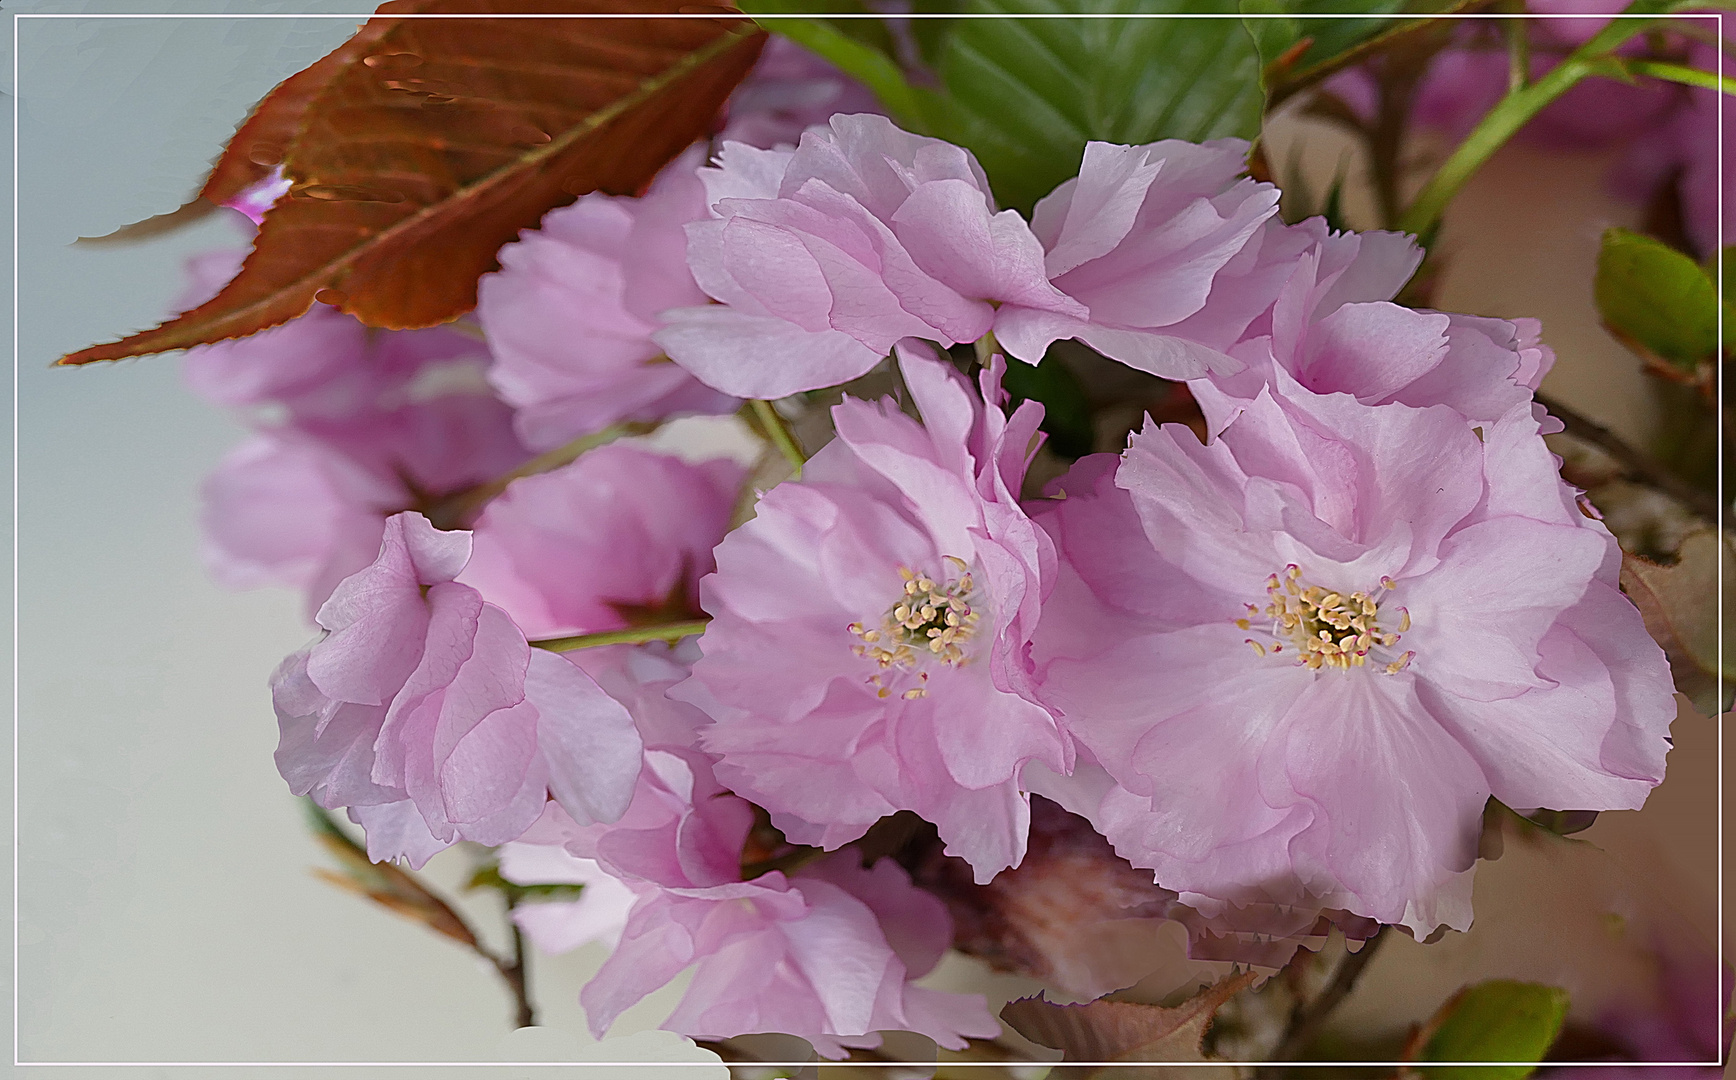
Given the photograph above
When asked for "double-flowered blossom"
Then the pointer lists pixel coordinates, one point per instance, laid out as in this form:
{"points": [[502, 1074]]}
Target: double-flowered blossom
{"points": [[827, 953], [1308, 652], [1381, 352], [822, 257], [569, 316], [303, 503], [358, 424], [424, 710], [867, 649], [618, 534], [1141, 238]]}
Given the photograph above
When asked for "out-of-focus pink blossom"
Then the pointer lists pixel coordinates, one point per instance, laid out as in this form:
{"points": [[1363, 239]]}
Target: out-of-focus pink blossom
{"points": [[282, 509], [867, 649], [581, 548], [1341, 628], [790, 90], [1666, 132], [1682, 150], [322, 365], [303, 503], [1139, 239], [424, 710], [569, 316], [826, 954], [822, 257]]}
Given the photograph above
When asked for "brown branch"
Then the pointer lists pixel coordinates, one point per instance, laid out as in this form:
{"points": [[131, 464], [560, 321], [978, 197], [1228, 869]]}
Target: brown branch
{"points": [[393, 887], [1637, 464], [516, 970], [1309, 1017]]}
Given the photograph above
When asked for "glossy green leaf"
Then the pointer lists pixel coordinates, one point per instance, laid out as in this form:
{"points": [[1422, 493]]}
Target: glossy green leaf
{"points": [[1657, 297], [1500, 1020], [1277, 32], [861, 48], [1729, 285], [1026, 94], [1066, 410]]}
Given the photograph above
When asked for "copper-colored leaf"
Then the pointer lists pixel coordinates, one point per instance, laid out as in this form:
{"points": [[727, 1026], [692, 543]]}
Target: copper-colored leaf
{"points": [[412, 167], [1122, 1031], [262, 140]]}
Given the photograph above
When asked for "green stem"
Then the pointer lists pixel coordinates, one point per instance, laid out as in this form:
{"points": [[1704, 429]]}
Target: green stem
{"points": [[1681, 73], [778, 431], [630, 636], [1514, 110], [457, 510], [1518, 53]]}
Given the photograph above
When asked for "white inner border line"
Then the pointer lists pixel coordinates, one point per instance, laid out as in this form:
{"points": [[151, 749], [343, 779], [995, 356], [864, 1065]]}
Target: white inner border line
{"points": [[16, 362]]}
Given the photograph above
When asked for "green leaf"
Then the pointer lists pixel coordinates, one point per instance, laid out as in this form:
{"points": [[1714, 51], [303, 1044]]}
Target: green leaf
{"points": [[1277, 35], [1499, 1020], [1658, 298], [1066, 410], [853, 46], [1025, 95]]}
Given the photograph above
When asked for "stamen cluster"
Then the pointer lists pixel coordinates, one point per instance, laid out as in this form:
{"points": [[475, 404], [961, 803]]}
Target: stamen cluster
{"points": [[931, 617], [1328, 629]]}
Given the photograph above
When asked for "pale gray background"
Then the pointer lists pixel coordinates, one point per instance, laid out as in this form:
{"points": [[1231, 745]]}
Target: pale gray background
{"points": [[166, 911]]}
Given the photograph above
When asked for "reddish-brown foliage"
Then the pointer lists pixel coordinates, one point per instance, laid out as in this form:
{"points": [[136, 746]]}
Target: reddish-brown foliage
{"points": [[417, 154]]}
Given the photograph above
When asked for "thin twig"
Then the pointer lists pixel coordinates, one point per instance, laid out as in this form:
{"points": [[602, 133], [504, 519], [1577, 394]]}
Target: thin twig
{"points": [[1638, 465], [456, 510], [516, 971], [1308, 1018], [396, 888]]}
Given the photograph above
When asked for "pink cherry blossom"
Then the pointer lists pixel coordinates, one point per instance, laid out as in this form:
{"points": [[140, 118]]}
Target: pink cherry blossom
{"points": [[1139, 239], [866, 652], [303, 504], [569, 316], [599, 913], [1380, 352], [578, 549], [1329, 636], [323, 364], [283, 509], [827, 954], [424, 710], [790, 90], [824, 256]]}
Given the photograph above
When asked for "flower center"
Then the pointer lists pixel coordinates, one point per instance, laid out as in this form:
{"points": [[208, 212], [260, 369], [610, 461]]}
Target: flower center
{"points": [[933, 618], [1327, 629]]}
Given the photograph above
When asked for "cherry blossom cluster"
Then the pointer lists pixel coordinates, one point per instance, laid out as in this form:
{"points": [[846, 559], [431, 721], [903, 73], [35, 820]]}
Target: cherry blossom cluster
{"points": [[1283, 668]]}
